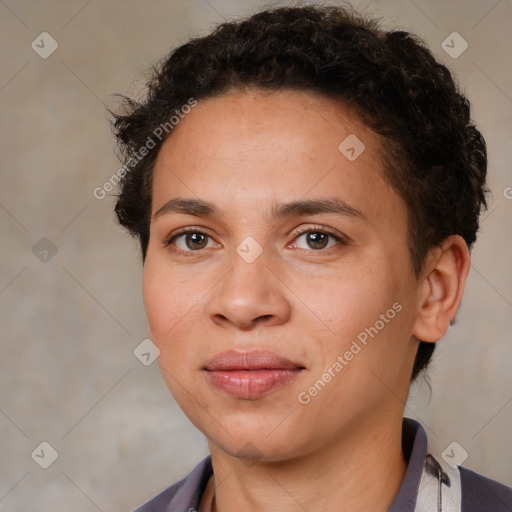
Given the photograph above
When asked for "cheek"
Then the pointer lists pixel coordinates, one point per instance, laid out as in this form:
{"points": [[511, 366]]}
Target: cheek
{"points": [[169, 303], [157, 303], [175, 303], [348, 299], [167, 297], [362, 312], [165, 311]]}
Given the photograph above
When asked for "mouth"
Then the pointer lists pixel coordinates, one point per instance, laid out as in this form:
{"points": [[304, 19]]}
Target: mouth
{"points": [[250, 375]]}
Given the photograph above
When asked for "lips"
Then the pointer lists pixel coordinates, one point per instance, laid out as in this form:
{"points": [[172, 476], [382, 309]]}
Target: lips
{"points": [[250, 375]]}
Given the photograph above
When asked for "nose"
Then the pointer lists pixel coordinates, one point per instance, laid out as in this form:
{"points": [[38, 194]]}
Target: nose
{"points": [[249, 295]]}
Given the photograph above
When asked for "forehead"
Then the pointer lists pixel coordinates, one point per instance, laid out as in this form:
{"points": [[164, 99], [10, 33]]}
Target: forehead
{"points": [[249, 150]]}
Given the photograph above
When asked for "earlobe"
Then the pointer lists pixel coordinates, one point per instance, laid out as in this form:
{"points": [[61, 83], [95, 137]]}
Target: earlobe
{"points": [[441, 291]]}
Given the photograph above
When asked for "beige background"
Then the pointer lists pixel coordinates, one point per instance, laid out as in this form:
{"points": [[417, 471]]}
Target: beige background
{"points": [[69, 325]]}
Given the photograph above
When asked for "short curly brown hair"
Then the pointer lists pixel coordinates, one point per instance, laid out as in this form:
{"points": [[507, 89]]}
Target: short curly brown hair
{"points": [[435, 157]]}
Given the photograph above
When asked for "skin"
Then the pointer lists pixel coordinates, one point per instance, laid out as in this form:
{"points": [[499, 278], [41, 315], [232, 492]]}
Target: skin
{"points": [[244, 151]]}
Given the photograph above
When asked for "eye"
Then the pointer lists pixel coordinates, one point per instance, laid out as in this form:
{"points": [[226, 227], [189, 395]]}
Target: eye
{"points": [[317, 238], [188, 240]]}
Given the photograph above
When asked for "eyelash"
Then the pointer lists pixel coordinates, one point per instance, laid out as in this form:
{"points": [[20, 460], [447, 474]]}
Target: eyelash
{"points": [[312, 229]]}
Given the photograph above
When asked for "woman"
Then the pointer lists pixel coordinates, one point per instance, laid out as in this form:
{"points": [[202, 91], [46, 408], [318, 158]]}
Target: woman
{"points": [[306, 188]]}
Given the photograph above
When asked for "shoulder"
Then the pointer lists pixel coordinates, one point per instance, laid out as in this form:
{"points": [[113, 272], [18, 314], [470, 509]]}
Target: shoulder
{"points": [[481, 494], [183, 495]]}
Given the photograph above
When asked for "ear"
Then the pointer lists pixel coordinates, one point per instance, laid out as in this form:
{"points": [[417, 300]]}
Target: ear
{"points": [[441, 290]]}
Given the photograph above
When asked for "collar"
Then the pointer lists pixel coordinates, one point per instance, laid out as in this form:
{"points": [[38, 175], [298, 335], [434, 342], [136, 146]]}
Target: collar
{"points": [[429, 484], [414, 445]]}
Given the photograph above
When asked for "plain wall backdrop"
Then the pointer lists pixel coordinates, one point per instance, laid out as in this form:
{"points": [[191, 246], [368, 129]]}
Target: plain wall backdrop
{"points": [[70, 285]]}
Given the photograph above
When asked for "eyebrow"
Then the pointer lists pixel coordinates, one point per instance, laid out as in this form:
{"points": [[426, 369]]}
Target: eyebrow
{"points": [[201, 208]]}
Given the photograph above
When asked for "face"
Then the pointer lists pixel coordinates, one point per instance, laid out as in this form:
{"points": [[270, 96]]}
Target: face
{"points": [[284, 315]]}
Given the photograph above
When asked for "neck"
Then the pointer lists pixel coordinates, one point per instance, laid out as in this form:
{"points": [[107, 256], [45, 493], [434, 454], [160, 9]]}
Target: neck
{"points": [[363, 471]]}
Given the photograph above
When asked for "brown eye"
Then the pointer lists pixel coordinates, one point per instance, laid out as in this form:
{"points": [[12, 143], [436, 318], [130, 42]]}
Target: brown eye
{"points": [[317, 239], [195, 240], [189, 240]]}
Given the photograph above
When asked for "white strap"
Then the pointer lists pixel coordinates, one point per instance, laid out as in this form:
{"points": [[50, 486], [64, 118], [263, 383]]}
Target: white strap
{"points": [[428, 494]]}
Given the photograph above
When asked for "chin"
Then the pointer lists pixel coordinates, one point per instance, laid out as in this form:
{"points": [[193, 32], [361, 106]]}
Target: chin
{"points": [[256, 440], [253, 449]]}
